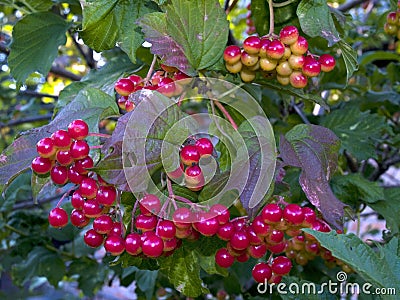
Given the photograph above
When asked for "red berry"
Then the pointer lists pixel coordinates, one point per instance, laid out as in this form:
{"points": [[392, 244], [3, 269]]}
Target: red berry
{"points": [[64, 158], [190, 155], [223, 258], [91, 208], [133, 244], [136, 79], [117, 229], [88, 188], [275, 49], [145, 223], [156, 78], [115, 245], [299, 47], [226, 231], [243, 257], [121, 102], [289, 34], [181, 78], [204, 147], [392, 18], [124, 86], [150, 204], [261, 272], [78, 218], [166, 229], [152, 246], [178, 173], [311, 247], [275, 236], [183, 233], [232, 54], [46, 148], [278, 248], [62, 139], [206, 224], [92, 238], [41, 165], [309, 216], [281, 265], [311, 67], [166, 86], [83, 165], [257, 251], [327, 62], [74, 176], [252, 44], [77, 200], [129, 105], [293, 214], [59, 175], [240, 240], [78, 129], [264, 43], [194, 178], [182, 217], [103, 224], [298, 80], [271, 213], [259, 226], [106, 195], [58, 217], [221, 212], [253, 237], [79, 149], [170, 245]]}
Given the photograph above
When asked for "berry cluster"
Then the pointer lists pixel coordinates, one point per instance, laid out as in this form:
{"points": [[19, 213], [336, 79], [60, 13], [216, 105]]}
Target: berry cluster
{"points": [[392, 25], [251, 28], [285, 58], [190, 155], [169, 81]]}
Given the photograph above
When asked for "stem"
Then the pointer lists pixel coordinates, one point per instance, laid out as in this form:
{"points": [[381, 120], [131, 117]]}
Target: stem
{"points": [[282, 4], [13, 229], [232, 6], [169, 187], [26, 120], [271, 17], [63, 196], [300, 112], [182, 199], [226, 114], [133, 213], [149, 73], [103, 135], [96, 147]]}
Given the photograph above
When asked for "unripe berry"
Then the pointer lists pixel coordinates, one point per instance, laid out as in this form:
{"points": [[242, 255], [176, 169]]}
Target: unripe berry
{"points": [[298, 80], [299, 47], [268, 64], [284, 80], [168, 68], [284, 69], [247, 75], [392, 18], [275, 50], [296, 62], [248, 59], [235, 68]]}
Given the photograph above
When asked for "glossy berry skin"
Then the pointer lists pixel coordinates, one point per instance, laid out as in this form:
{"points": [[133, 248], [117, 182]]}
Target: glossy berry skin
{"points": [[278, 248], [226, 231], [275, 50], [392, 18], [232, 54], [115, 245], [223, 258], [248, 59], [284, 80], [257, 251], [298, 80], [58, 217], [91, 208], [62, 139], [182, 217], [78, 218], [129, 105], [79, 149], [166, 87], [235, 68], [106, 195], [240, 240], [41, 165], [166, 229], [136, 79], [46, 148], [83, 165], [264, 43], [259, 226], [59, 175], [77, 200], [153, 246], [327, 62], [64, 158], [145, 223], [133, 244], [276, 236], [117, 229], [311, 67], [268, 64], [281, 265], [289, 34], [93, 239], [78, 129], [103, 224], [299, 47], [261, 272], [252, 44], [247, 75], [221, 212], [204, 147], [293, 214], [74, 176], [296, 62], [271, 213], [309, 216], [284, 69], [150, 204], [190, 155], [194, 178], [124, 86], [88, 188], [207, 225]]}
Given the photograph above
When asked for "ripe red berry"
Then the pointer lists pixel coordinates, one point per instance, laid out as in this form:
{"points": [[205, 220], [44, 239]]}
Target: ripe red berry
{"points": [[190, 155], [78, 218], [226, 231], [77, 200], [106, 195], [177, 173], [150, 204], [79, 149], [59, 175], [309, 216], [124, 86], [278, 248], [74, 176], [264, 43], [183, 233], [232, 54], [311, 67], [240, 240], [152, 246], [299, 47], [117, 229], [46, 148], [92, 238], [261, 272], [78, 129], [145, 223], [58, 217], [41, 165], [260, 227], [115, 245], [298, 80], [275, 236], [327, 62], [252, 44], [166, 86], [64, 158], [133, 244], [293, 214], [281, 265], [204, 147], [103, 224], [275, 49], [194, 178], [170, 245], [62, 139], [83, 165], [223, 258], [181, 78], [91, 208], [207, 225], [257, 251], [182, 218], [166, 229], [136, 79], [88, 188], [271, 213], [253, 237], [289, 34], [221, 212]]}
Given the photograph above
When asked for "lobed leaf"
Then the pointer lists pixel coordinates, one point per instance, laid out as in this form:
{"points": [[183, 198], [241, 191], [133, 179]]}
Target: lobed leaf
{"points": [[389, 208]]}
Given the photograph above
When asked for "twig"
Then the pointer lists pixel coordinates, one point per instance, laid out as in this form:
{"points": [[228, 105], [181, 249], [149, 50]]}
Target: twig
{"points": [[384, 166], [39, 95], [88, 57], [271, 17], [149, 73], [300, 112], [350, 4], [232, 6], [351, 163], [29, 203], [26, 120], [226, 114]]}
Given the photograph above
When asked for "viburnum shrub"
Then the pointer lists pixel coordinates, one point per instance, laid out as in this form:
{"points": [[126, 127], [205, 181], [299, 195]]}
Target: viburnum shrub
{"points": [[210, 152]]}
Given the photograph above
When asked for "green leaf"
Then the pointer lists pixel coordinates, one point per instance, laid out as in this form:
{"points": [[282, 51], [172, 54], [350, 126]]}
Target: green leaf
{"points": [[40, 262], [353, 187], [183, 271], [358, 131], [370, 56], [107, 23], [389, 209], [380, 268], [146, 281], [90, 104], [316, 20], [36, 38], [314, 149], [349, 55]]}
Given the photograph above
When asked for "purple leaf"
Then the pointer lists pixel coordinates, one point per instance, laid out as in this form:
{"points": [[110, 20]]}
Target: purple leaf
{"points": [[314, 149]]}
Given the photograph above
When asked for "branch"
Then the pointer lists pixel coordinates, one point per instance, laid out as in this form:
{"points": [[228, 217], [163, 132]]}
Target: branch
{"points": [[350, 4], [232, 6], [55, 70], [384, 166], [39, 95], [26, 120], [300, 112], [88, 56]]}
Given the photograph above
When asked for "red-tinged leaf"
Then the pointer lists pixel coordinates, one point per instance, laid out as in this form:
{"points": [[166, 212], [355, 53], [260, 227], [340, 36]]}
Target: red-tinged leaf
{"points": [[314, 149]]}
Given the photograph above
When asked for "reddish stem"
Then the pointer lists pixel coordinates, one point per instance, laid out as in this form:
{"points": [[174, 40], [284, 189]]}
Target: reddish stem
{"points": [[226, 114], [96, 147], [103, 135]]}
